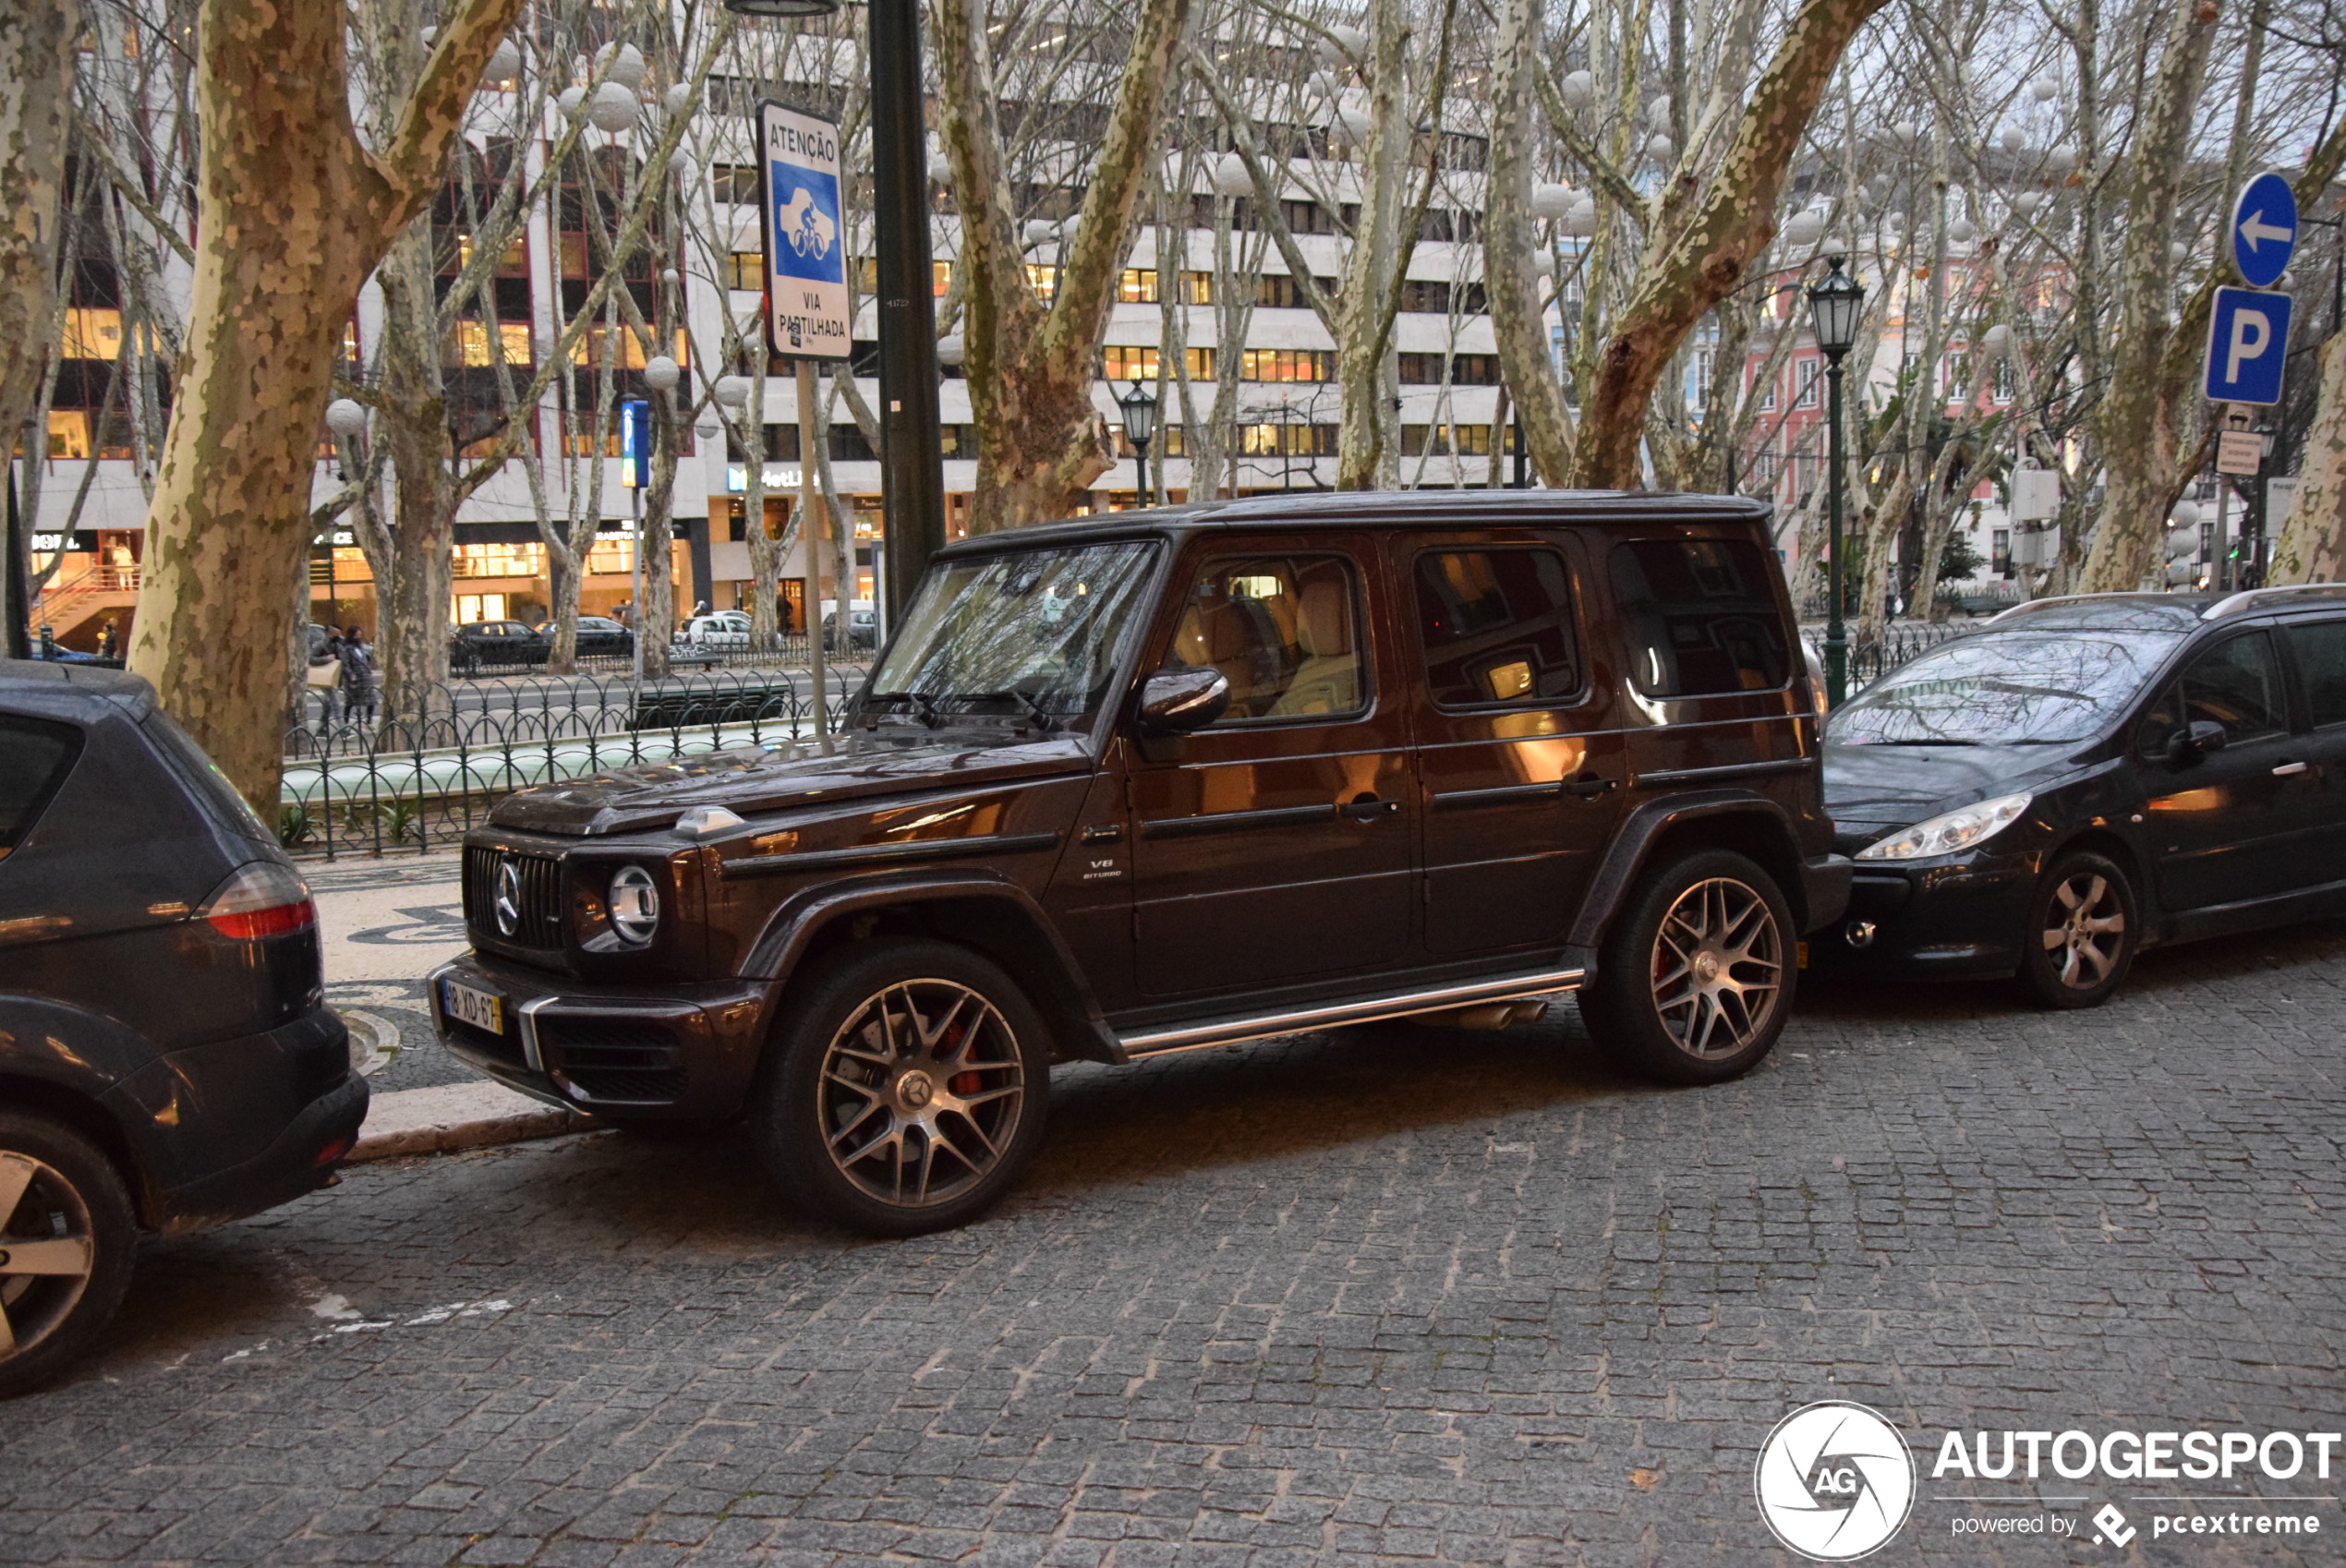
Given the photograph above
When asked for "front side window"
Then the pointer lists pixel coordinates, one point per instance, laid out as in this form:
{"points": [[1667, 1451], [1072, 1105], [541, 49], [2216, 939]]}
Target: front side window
{"points": [[1700, 616], [34, 757], [2234, 684], [1019, 633], [1285, 630], [2321, 662], [1496, 626]]}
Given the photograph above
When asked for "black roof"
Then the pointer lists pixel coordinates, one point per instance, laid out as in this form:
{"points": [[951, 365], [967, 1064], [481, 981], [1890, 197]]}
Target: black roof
{"points": [[46, 686], [2155, 612], [1374, 509]]}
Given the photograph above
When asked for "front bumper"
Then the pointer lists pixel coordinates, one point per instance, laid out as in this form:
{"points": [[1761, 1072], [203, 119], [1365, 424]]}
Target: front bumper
{"points": [[667, 1052], [1958, 916]]}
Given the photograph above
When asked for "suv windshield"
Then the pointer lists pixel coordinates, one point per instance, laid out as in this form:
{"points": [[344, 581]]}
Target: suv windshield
{"points": [[1033, 632], [2005, 689]]}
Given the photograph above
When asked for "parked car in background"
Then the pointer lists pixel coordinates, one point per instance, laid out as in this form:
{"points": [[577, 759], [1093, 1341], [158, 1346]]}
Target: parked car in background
{"points": [[167, 1060], [1168, 779], [718, 629], [2085, 777], [598, 638], [496, 645], [863, 628]]}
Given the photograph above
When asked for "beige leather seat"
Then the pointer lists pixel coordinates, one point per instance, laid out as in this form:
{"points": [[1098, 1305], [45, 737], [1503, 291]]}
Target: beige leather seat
{"points": [[1328, 680]]}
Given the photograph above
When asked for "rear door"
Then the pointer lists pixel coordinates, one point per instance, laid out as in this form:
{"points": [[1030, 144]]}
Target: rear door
{"points": [[1275, 846], [2318, 649], [2243, 823], [1519, 754]]}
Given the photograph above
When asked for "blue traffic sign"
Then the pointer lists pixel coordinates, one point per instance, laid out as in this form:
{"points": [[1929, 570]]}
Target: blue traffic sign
{"points": [[2247, 345], [2263, 229], [636, 443]]}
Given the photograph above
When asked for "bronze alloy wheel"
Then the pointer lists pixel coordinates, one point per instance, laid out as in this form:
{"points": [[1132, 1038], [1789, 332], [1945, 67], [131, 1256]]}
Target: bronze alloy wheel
{"points": [[66, 1235], [923, 1087], [1693, 982], [1718, 968]]}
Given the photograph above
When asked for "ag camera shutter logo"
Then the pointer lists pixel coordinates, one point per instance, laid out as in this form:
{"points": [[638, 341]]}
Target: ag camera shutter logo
{"points": [[1835, 1481]]}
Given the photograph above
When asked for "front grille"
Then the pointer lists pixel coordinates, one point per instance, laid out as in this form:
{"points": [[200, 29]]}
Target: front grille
{"points": [[539, 896], [614, 1059]]}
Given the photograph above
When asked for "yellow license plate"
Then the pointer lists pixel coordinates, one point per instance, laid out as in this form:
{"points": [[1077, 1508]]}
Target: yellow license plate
{"points": [[469, 1004]]}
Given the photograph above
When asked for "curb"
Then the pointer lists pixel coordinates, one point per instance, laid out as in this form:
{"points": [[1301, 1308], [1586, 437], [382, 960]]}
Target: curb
{"points": [[457, 1117]]}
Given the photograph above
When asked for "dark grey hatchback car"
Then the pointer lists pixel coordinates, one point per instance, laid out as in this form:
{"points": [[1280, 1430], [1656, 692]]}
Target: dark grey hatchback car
{"points": [[167, 1060]]}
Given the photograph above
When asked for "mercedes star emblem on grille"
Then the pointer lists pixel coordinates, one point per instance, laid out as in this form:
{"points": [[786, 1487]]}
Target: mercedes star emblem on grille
{"points": [[508, 900]]}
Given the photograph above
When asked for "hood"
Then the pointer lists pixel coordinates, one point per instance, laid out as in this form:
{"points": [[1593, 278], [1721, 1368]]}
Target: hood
{"points": [[1870, 790], [895, 760]]}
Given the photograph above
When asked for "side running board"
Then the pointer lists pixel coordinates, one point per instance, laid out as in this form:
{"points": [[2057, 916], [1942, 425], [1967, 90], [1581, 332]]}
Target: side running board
{"points": [[1165, 1041]]}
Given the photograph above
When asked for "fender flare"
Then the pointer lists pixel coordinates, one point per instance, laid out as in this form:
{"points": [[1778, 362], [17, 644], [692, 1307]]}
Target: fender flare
{"points": [[1042, 963], [74, 1065], [1634, 841]]}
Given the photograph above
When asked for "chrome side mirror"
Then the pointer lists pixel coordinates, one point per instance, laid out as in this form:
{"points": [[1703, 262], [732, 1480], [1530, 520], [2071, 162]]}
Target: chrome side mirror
{"points": [[2192, 743], [1185, 698]]}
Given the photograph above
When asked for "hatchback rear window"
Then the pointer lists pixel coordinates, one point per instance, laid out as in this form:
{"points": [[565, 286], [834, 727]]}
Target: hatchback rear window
{"points": [[35, 756], [1700, 616]]}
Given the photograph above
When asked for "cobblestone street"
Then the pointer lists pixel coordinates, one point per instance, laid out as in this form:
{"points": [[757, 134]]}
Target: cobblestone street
{"points": [[1395, 1294]]}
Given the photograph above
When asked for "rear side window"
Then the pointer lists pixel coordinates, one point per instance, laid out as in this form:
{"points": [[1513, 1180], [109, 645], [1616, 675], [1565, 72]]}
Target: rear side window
{"points": [[1700, 616], [1496, 626], [2321, 661], [206, 782], [35, 756]]}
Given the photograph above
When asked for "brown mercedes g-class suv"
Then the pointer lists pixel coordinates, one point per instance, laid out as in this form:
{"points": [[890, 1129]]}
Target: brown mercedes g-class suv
{"points": [[1167, 779]]}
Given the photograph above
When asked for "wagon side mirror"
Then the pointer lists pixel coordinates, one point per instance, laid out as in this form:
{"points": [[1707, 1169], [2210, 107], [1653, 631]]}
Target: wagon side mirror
{"points": [[2190, 745], [1175, 701]]}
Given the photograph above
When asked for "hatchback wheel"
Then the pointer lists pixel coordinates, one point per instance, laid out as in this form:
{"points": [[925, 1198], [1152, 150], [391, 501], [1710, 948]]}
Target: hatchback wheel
{"points": [[1695, 979], [66, 1235], [2081, 936], [910, 1089]]}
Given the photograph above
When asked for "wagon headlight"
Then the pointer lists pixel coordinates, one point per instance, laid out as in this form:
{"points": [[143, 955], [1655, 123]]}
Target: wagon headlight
{"points": [[1950, 831], [634, 904]]}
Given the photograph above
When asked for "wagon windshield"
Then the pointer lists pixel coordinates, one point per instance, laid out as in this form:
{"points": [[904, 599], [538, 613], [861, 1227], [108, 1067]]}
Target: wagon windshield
{"points": [[2006, 688], [1032, 632]]}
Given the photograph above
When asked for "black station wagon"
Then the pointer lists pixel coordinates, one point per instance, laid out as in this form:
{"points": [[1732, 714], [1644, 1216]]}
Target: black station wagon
{"points": [[1171, 779]]}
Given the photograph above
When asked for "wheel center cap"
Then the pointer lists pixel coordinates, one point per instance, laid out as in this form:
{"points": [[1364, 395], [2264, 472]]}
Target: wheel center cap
{"points": [[915, 1089], [1706, 967]]}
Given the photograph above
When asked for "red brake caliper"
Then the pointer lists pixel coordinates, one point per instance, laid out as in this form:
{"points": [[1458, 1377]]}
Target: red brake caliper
{"points": [[961, 1083]]}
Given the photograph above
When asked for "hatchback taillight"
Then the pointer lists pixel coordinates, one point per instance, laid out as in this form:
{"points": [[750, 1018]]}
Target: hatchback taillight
{"points": [[259, 900]]}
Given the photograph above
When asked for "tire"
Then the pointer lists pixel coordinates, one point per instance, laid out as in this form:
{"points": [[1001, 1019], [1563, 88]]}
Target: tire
{"points": [[63, 1209], [2084, 927], [1696, 978], [839, 1062]]}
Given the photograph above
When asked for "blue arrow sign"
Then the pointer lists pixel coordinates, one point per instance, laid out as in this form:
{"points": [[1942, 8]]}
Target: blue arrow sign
{"points": [[2263, 229], [635, 444], [2247, 344]]}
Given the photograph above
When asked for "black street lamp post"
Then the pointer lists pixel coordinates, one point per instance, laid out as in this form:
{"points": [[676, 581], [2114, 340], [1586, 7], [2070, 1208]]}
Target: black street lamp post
{"points": [[1835, 301], [1140, 424], [913, 457]]}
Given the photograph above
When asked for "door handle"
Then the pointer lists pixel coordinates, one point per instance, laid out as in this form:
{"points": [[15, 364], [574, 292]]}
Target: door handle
{"points": [[1588, 788], [1368, 808], [2286, 769]]}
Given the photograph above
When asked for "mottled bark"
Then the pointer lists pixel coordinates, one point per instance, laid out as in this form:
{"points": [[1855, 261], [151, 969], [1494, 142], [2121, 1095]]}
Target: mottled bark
{"points": [[411, 555], [1040, 441], [295, 211], [36, 101], [2313, 537], [1699, 264], [2143, 414]]}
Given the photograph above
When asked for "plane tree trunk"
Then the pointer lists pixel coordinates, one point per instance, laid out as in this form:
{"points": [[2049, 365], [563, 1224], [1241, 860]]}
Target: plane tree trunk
{"points": [[36, 103], [2313, 537], [295, 212]]}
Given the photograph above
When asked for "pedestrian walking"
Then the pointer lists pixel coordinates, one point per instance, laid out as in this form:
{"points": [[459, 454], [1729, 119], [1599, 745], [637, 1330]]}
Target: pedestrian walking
{"points": [[358, 693], [109, 642], [325, 675]]}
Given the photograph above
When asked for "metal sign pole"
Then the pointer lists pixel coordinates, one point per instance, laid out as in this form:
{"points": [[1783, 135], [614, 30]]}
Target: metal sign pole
{"points": [[812, 538]]}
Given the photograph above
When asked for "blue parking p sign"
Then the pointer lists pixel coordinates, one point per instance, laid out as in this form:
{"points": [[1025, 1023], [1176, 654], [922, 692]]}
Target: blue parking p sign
{"points": [[2247, 345]]}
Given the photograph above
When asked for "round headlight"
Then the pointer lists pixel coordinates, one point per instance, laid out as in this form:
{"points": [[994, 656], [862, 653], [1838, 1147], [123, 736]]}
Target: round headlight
{"points": [[634, 904]]}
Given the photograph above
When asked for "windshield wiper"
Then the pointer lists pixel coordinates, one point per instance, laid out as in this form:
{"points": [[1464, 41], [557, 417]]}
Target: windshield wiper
{"points": [[1918, 743], [1041, 715], [923, 705]]}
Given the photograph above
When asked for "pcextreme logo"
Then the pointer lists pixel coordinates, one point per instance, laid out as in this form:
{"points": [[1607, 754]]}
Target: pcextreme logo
{"points": [[1834, 1480]]}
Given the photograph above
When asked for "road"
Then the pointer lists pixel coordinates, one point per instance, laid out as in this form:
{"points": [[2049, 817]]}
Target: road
{"points": [[1392, 1295]]}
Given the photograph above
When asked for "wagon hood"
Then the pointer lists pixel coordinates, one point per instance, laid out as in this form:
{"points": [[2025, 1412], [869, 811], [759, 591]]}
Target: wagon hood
{"points": [[752, 779]]}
